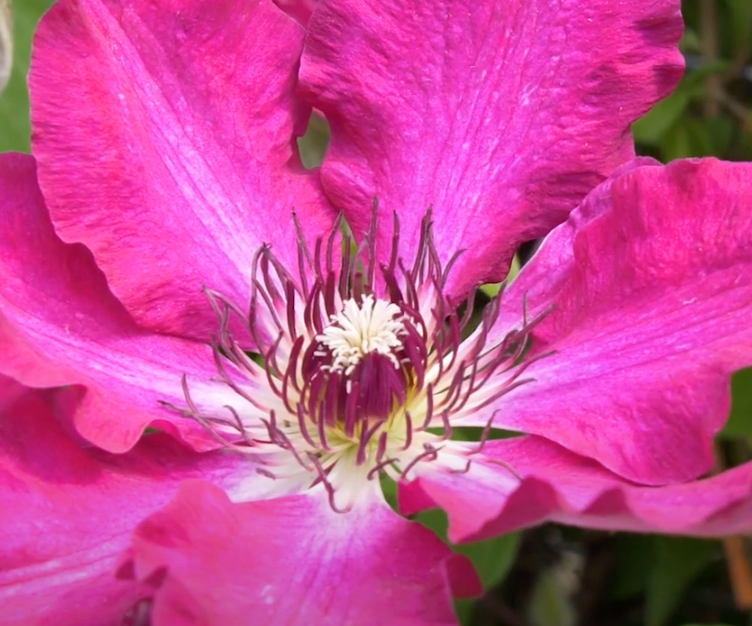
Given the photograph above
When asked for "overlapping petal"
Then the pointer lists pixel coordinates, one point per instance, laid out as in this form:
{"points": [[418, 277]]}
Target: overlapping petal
{"points": [[299, 10], [67, 511], [500, 116], [10, 391], [294, 561], [542, 279], [165, 135], [650, 320], [556, 485], [60, 325]]}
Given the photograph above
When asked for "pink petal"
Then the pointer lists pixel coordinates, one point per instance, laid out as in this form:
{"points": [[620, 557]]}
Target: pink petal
{"points": [[10, 391], [293, 561], [67, 511], [650, 321], [561, 486], [60, 325], [499, 115], [554, 260], [299, 10], [165, 138]]}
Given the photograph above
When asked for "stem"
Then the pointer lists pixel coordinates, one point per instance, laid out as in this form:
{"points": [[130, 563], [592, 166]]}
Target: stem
{"points": [[709, 34], [739, 569]]}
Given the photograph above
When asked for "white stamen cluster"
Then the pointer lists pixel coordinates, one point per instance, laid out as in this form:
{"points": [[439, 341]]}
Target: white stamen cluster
{"points": [[372, 326]]}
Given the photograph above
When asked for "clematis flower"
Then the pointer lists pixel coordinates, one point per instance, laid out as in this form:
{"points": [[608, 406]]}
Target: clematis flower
{"points": [[165, 254]]}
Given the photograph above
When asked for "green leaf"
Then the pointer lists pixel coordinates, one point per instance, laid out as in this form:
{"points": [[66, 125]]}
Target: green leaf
{"points": [[739, 423], [721, 131], [693, 82], [492, 289], [651, 127], [664, 122], [312, 146], [549, 604], [677, 143], [701, 143], [676, 561], [690, 41], [630, 577], [492, 558], [6, 42], [14, 101]]}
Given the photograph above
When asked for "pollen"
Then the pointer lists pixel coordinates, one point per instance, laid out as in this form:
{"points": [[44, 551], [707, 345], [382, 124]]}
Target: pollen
{"points": [[373, 326]]}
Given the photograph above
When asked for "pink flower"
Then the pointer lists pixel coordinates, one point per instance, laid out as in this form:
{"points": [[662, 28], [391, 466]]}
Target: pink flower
{"points": [[151, 259]]}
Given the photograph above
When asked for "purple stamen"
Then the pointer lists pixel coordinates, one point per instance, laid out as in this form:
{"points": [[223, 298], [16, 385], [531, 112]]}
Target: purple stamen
{"points": [[346, 361]]}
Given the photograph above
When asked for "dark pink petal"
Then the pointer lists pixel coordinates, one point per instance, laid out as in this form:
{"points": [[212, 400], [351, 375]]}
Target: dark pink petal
{"points": [[293, 561], [499, 115], [67, 511], [10, 391], [651, 320], [165, 133], [299, 10], [60, 325], [555, 484]]}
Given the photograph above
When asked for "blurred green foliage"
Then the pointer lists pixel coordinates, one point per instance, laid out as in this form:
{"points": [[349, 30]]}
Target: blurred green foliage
{"points": [[709, 113], [14, 101], [553, 576]]}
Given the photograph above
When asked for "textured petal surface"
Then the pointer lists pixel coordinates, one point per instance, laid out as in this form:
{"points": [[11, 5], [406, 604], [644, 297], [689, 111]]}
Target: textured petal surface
{"points": [[60, 325], [555, 484], [293, 561], [67, 511], [653, 317], [299, 10], [171, 155], [10, 391], [501, 115]]}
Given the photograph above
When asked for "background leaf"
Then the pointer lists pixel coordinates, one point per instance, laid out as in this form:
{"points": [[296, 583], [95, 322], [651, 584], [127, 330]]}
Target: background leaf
{"points": [[676, 561], [492, 558], [14, 101], [739, 423]]}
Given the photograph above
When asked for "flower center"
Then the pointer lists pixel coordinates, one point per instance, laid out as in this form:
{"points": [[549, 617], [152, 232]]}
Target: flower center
{"points": [[358, 368], [375, 326], [361, 373]]}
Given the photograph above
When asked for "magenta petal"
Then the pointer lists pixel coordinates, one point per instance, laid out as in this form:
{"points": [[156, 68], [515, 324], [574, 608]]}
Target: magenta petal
{"points": [[164, 133], [10, 391], [554, 260], [299, 10], [293, 561], [650, 321], [555, 484], [60, 325], [499, 115], [67, 511]]}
